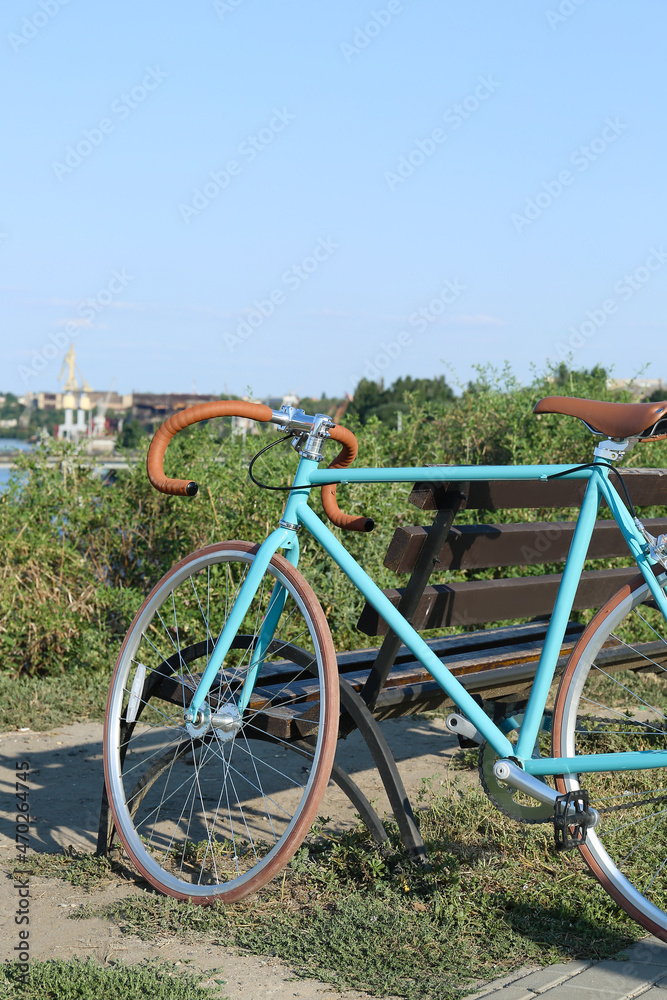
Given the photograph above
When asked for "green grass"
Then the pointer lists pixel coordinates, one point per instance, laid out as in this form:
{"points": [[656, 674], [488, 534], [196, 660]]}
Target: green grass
{"points": [[353, 915], [88, 980], [40, 703], [75, 867]]}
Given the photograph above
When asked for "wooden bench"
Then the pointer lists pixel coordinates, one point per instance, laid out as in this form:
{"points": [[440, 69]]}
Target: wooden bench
{"points": [[495, 662]]}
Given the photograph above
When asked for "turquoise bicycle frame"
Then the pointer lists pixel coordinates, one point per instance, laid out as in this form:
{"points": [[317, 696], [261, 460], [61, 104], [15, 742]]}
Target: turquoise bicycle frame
{"points": [[297, 512]]}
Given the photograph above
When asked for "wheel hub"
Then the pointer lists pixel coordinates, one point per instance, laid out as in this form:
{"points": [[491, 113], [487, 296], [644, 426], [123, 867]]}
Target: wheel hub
{"points": [[201, 722], [226, 721]]}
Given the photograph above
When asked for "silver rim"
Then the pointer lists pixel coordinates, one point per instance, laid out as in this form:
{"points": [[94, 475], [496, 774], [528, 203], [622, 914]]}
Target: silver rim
{"points": [[633, 804], [236, 786]]}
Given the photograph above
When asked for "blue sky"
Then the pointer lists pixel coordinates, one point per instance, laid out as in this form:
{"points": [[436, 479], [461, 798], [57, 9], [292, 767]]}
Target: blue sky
{"points": [[290, 196]]}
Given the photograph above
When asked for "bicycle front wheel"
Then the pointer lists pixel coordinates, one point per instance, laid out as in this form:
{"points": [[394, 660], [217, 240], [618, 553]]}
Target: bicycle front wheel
{"points": [[217, 812], [613, 698]]}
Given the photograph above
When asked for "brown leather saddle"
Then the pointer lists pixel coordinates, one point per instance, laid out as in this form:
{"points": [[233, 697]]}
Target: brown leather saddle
{"points": [[644, 421]]}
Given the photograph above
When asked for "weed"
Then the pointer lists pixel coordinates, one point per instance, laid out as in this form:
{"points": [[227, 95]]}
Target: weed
{"points": [[88, 980], [75, 867]]}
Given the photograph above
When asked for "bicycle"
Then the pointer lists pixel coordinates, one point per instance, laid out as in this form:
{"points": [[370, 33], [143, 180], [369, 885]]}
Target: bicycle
{"points": [[223, 710]]}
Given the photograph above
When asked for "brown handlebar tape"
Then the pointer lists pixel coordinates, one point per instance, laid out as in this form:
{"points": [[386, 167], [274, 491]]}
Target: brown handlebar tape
{"points": [[176, 423], [345, 457], [254, 411]]}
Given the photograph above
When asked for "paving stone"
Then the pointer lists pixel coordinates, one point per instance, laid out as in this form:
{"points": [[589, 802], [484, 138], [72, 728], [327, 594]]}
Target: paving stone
{"points": [[497, 984], [565, 992], [614, 979], [642, 973], [553, 975], [650, 951], [512, 992]]}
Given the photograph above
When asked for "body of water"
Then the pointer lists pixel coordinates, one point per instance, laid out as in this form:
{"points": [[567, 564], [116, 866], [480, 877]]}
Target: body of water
{"points": [[11, 444]]}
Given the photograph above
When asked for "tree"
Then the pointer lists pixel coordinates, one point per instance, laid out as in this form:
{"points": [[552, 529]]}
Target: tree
{"points": [[372, 399], [132, 434], [368, 399]]}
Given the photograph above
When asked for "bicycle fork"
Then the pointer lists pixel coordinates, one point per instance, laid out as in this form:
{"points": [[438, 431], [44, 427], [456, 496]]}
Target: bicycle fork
{"points": [[198, 716]]}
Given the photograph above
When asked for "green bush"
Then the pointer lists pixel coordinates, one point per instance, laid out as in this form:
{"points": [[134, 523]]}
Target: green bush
{"points": [[79, 554]]}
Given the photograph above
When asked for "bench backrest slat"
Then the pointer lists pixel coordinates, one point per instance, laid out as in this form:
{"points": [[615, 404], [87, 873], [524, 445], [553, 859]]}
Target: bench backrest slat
{"points": [[475, 547], [646, 487], [478, 546], [477, 602]]}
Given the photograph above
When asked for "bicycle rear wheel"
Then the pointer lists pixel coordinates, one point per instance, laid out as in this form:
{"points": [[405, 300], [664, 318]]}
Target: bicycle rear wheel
{"points": [[613, 698], [215, 814]]}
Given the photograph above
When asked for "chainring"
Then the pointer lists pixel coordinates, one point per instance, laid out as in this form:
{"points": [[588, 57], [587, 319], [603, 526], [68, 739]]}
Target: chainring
{"points": [[508, 800]]}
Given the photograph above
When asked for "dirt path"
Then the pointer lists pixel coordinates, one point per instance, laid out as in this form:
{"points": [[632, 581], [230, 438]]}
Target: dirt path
{"points": [[65, 788]]}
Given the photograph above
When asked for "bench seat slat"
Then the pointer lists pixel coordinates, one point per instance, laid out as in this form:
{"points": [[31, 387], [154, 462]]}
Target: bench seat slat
{"points": [[410, 688], [448, 646]]}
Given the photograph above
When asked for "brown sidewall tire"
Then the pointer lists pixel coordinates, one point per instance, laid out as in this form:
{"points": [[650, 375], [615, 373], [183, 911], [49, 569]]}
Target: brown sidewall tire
{"points": [[324, 761], [587, 636]]}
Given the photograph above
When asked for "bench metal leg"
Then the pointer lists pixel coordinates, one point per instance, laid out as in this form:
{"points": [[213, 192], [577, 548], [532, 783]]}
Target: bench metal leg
{"points": [[361, 803], [386, 765], [424, 566], [107, 840]]}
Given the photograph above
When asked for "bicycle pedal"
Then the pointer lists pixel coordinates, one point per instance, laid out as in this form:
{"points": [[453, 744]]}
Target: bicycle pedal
{"points": [[572, 818]]}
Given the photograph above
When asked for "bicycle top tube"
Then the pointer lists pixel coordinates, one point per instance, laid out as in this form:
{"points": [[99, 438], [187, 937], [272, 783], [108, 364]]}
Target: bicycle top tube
{"points": [[444, 473]]}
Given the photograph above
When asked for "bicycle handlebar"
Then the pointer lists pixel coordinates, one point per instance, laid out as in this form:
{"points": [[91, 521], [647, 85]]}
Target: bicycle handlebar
{"points": [[182, 419], [263, 414]]}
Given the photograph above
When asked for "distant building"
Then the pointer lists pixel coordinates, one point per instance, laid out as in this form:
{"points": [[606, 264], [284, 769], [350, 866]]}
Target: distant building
{"points": [[151, 407], [148, 408], [55, 400]]}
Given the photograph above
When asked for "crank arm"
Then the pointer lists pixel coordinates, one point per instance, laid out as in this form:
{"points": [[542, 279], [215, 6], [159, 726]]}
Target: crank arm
{"points": [[510, 774]]}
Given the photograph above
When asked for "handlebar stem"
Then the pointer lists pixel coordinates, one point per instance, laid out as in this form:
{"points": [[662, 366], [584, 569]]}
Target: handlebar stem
{"points": [[316, 428], [315, 441], [292, 418]]}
